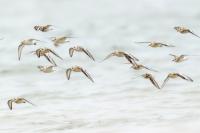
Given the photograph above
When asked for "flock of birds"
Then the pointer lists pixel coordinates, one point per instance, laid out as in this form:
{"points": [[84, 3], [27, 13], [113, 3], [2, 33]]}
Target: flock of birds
{"points": [[132, 60]]}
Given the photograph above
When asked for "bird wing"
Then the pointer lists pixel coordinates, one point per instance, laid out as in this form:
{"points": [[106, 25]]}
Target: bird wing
{"points": [[173, 55], [50, 59], [28, 101], [185, 77], [154, 82], [149, 68], [165, 81], [88, 53], [68, 73], [20, 47], [10, 104], [194, 34], [32, 39], [167, 45], [71, 52], [108, 56], [129, 58], [87, 74], [133, 57], [55, 54]]}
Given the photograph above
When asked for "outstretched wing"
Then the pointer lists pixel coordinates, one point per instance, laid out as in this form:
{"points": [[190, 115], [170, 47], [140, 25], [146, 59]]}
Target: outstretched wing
{"points": [[166, 45], [130, 59], [173, 55], [194, 34], [185, 77], [165, 81], [55, 54], [32, 39], [68, 73], [154, 82], [108, 56], [149, 68], [20, 47], [133, 57], [50, 60], [87, 75], [88, 54], [71, 52], [10, 104], [28, 102]]}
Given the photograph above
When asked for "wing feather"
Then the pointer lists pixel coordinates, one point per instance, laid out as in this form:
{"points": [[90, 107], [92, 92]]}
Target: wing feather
{"points": [[87, 75], [88, 54], [20, 47]]}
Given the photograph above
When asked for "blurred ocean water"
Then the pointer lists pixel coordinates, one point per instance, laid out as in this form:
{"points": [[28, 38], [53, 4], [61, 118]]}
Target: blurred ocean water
{"points": [[117, 101]]}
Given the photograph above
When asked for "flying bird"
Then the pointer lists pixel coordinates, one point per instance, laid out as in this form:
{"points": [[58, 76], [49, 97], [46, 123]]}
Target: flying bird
{"points": [[132, 59], [46, 69], [77, 69], [57, 41], [26, 43], [43, 28], [45, 52], [179, 58], [174, 76], [80, 49], [151, 78], [140, 66], [154, 44], [184, 30], [18, 100]]}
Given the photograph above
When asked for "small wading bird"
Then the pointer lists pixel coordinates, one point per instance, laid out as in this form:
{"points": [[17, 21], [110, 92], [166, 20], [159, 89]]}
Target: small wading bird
{"points": [[151, 78], [154, 44], [80, 49], [43, 28], [26, 43], [174, 76], [17, 101], [46, 69], [180, 58], [137, 66], [57, 41], [77, 69], [45, 52], [184, 30], [119, 53]]}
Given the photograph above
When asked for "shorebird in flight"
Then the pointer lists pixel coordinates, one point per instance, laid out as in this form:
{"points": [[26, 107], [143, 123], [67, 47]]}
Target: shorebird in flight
{"points": [[26, 43], [180, 58], [140, 66], [119, 53], [57, 41], [151, 78], [77, 69], [80, 49], [46, 69], [43, 28], [174, 76], [45, 52], [184, 30], [18, 100], [154, 44]]}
